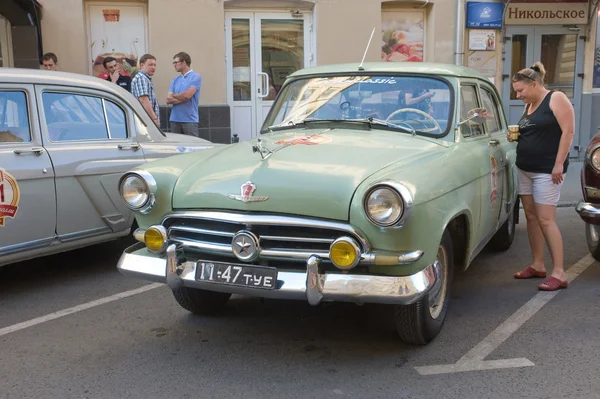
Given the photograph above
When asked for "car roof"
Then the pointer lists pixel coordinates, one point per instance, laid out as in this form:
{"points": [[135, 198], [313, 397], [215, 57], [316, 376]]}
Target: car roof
{"points": [[43, 77], [393, 68]]}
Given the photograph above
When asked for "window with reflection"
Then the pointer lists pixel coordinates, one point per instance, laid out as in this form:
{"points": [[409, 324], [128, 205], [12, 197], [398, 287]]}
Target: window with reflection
{"points": [[421, 104]]}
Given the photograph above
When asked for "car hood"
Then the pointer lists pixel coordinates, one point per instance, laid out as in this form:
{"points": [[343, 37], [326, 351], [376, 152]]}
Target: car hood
{"points": [[313, 172]]}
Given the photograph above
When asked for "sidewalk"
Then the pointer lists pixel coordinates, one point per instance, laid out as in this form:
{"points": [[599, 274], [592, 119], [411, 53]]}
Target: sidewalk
{"points": [[571, 190]]}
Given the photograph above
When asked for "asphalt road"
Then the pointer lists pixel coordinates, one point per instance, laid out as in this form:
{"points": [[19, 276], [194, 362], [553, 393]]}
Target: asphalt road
{"points": [[146, 346]]}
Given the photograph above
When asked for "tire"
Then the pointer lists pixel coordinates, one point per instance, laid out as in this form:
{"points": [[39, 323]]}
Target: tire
{"points": [[592, 236], [200, 301], [504, 237], [420, 322]]}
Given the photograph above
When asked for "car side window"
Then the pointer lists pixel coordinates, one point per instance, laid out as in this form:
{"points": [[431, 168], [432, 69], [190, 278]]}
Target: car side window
{"points": [[469, 101], [117, 121], [14, 117], [492, 122], [73, 117]]}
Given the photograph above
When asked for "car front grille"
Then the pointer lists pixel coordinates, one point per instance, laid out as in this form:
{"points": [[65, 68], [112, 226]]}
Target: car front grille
{"points": [[285, 242]]}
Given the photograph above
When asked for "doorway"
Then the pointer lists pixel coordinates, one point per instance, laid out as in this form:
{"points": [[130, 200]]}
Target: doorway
{"points": [[561, 51], [262, 50]]}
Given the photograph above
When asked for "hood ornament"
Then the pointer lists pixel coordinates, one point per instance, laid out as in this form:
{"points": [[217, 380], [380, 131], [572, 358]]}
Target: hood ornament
{"points": [[262, 150], [246, 194]]}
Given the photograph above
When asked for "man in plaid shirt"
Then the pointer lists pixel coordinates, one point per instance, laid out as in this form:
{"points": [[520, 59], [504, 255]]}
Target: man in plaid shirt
{"points": [[142, 88]]}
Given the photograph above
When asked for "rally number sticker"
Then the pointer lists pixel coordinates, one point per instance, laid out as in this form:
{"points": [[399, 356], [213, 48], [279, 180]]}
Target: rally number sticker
{"points": [[9, 196]]}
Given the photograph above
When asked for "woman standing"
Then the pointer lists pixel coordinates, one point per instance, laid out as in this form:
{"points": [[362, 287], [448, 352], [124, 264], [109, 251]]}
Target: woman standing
{"points": [[546, 134]]}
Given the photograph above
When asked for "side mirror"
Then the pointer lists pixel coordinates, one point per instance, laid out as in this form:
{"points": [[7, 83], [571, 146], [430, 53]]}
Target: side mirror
{"points": [[477, 115]]}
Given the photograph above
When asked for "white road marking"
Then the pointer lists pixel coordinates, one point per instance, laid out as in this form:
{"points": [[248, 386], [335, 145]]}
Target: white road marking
{"points": [[75, 309], [474, 359]]}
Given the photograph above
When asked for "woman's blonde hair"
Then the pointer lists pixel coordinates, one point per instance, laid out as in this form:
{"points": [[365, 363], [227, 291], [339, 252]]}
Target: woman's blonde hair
{"points": [[535, 73]]}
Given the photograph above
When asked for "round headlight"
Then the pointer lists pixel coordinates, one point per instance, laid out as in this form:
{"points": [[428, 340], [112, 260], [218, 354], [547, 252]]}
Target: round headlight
{"points": [[596, 159], [134, 191], [384, 206], [344, 253], [155, 238]]}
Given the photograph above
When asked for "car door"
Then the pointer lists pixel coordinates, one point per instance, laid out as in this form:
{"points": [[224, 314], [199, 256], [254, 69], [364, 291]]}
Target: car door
{"points": [[486, 152], [27, 193], [495, 126], [90, 137]]}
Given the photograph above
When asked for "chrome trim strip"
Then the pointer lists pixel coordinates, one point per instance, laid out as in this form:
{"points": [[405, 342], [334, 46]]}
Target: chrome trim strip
{"points": [[106, 119], [201, 231], [30, 245], [221, 249], [306, 285], [277, 254], [271, 220], [297, 239], [83, 234], [587, 209]]}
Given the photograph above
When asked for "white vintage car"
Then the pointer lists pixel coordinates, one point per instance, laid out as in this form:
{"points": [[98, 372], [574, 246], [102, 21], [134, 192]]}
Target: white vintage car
{"points": [[65, 140]]}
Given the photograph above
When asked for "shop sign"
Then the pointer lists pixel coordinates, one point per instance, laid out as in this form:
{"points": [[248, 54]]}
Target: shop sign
{"points": [[484, 15], [547, 13]]}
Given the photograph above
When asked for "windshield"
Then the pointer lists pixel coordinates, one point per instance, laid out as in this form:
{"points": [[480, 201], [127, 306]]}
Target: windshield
{"points": [[407, 103]]}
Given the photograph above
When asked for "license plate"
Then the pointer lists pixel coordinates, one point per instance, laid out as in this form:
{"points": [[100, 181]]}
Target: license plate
{"points": [[240, 275]]}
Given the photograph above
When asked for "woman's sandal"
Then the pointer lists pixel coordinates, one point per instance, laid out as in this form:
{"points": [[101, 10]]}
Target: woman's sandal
{"points": [[529, 272], [552, 284]]}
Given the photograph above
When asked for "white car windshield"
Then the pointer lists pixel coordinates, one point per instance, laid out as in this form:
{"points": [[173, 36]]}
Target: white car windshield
{"points": [[407, 103]]}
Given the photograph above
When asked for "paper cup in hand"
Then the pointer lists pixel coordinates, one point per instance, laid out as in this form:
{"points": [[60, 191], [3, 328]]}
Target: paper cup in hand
{"points": [[513, 130]]}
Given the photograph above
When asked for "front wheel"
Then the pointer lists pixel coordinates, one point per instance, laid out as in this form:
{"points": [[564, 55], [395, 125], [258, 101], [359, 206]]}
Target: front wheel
{"points": [[200, 301], [420, 322], [592, 235]]}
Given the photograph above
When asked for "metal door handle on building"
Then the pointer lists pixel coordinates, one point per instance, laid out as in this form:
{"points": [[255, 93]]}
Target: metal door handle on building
{"points": [[265, 91]]}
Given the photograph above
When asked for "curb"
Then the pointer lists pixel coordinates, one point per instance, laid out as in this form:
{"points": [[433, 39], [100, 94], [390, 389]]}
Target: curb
{"points": [[561, 205]]}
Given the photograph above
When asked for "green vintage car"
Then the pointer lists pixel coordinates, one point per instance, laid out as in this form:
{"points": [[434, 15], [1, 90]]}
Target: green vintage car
{"points": [[368, 184]]}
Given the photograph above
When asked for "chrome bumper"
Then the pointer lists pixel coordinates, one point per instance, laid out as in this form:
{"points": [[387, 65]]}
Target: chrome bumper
{"points": [[311, 285], [587, 209]]}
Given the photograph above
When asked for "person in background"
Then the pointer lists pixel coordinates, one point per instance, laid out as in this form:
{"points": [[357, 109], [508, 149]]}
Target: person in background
{"points": [[50, 62], [142, 88], [546, 131], [115, 74], [184, 94]]}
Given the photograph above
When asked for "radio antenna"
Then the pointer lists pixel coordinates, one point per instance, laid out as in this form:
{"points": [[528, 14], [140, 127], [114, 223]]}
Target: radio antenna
{"points": [[360, 67]]}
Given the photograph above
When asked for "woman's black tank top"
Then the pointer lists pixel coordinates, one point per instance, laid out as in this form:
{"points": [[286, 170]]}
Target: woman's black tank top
{"points": [[539, 139]]}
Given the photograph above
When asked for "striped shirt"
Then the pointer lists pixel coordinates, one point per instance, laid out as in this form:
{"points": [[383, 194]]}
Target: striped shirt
{"points": [[141, 85]]}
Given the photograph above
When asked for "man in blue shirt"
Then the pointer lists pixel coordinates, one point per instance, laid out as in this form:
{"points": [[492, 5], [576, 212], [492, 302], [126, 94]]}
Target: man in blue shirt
{"points": [[184, 95]]}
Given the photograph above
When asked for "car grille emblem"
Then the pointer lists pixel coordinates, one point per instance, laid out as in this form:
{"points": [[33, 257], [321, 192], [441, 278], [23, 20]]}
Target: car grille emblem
{"points": [[245, 246], [246, 194]]}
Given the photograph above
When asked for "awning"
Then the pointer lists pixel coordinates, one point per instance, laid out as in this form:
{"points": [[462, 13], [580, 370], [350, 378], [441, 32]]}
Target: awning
{"points": [[24, 13]]}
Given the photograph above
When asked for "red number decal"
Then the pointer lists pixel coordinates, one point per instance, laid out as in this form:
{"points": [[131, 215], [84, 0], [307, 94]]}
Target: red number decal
{"points": [[1, 193]]}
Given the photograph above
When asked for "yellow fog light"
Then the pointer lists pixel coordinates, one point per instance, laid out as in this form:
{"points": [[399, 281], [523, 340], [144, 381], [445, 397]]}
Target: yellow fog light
{"points": [[155, 238], [344, 253]]}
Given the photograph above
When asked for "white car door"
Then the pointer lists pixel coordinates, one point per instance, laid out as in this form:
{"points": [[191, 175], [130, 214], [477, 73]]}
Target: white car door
{"points": [[90, 137], [27, 193]]}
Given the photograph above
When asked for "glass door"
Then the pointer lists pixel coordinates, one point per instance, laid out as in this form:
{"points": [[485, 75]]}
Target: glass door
{"points": [[262, 50], [561, 52]]}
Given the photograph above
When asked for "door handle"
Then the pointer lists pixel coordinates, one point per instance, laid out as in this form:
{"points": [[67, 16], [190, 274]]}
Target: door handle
{"points": [[35, 150], [494, 142], [133, 147], [265, 92]]}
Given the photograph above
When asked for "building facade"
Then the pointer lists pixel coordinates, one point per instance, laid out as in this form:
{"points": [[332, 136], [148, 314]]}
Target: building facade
{"points": [[244, 49]]}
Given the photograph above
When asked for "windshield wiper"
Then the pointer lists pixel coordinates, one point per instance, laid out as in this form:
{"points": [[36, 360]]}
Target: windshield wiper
{"points": [[380, 122], [285, 125]]}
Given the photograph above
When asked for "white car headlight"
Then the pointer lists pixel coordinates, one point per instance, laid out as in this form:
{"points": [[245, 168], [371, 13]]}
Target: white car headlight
{"points": [[384, 206], [388, 204], [596, 159], [138, 190]]}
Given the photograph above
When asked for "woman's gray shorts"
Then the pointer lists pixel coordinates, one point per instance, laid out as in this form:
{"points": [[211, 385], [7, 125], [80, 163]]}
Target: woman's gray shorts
{"points": [[540, 186]]}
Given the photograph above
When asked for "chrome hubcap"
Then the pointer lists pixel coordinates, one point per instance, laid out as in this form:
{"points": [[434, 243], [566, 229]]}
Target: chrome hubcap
{"points": [[436, 299]]}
